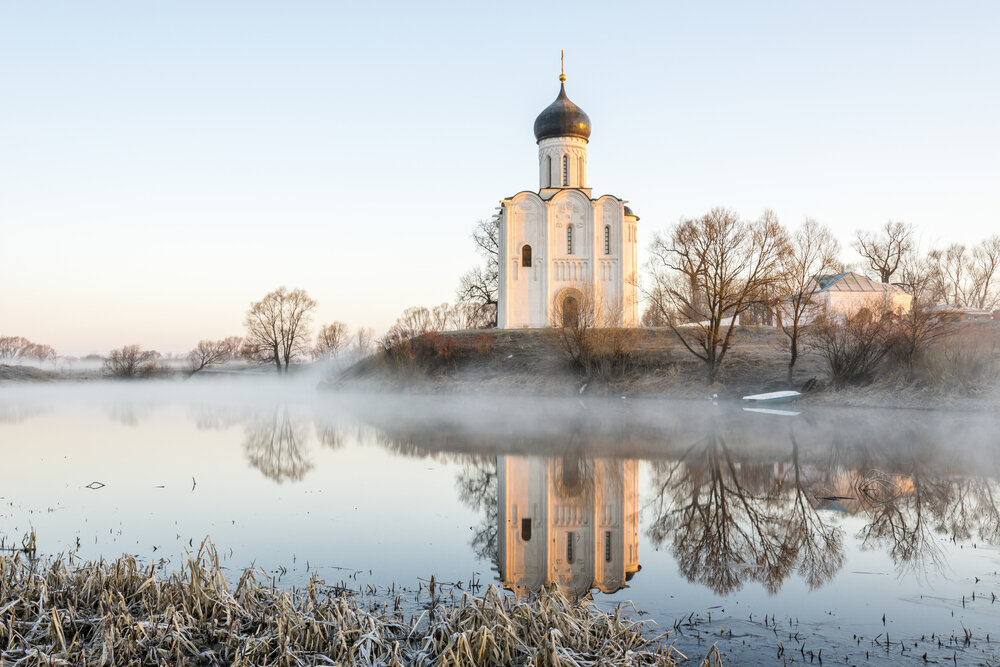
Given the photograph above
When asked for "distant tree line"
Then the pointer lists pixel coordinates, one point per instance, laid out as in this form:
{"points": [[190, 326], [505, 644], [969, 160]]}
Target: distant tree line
{"points": [[17, 348]]}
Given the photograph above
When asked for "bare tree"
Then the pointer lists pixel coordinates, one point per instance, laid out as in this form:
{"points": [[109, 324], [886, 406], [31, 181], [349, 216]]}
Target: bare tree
{"points": [[885, 251], [364, 338], [813, 251], [132, 361], [707, 271], [966, 279], [442, 317], [331, 340], [12, 347], [39, 352], [413, 322], [209, 353], [916, 275], [233, 346], [480, 285], [986, 273], [278, 327]]}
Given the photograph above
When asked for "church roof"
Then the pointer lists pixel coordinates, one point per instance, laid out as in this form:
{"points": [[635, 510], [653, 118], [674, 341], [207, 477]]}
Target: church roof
{"points": [[562, 118], [852, 282]]}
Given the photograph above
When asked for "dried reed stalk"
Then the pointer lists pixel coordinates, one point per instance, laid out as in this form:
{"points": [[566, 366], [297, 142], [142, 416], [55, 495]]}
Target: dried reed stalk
{"points": [[58, 612]]}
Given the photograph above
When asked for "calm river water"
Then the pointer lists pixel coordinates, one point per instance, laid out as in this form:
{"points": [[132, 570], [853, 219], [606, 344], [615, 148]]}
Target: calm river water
{"points": [[826, 529]]}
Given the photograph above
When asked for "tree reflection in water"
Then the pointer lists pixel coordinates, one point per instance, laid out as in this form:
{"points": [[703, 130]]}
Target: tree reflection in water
{"points": [[730, 522], [929, 507], [734, 499], [278, 446], [477, 490]]}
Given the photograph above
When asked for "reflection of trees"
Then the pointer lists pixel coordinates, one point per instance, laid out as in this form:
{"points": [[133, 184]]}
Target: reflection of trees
{"points": [[15, 414], [211, 417], [277, 447], [911, 523], [330, 435], [904, 524], [730, 523], [127, 414], [820, 547], [477, 489]]}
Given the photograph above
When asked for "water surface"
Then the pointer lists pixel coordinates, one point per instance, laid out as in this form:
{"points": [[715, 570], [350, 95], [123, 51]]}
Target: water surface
{"points": [[741, 528]]}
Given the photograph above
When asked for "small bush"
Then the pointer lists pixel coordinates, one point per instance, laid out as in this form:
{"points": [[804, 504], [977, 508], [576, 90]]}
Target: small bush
{"points": [[131, 362], [432, 350], [852, 347]]}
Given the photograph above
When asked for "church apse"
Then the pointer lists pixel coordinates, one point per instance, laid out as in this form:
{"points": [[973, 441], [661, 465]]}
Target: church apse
{"points": [[568, 521]]}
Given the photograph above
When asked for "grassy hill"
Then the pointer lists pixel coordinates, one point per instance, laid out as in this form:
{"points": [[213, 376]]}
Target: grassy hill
{"points": [[536, 361]]}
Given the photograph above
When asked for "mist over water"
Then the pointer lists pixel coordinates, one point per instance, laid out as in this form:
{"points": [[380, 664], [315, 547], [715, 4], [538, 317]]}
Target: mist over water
{"points": [[827, 519]]}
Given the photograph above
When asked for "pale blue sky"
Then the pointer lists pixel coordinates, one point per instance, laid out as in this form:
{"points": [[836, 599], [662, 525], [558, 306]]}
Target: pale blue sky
{"points": [[163, 164]]}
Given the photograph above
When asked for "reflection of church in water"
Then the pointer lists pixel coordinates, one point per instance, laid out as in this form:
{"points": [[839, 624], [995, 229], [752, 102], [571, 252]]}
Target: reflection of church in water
{"points": [[573, 522]]}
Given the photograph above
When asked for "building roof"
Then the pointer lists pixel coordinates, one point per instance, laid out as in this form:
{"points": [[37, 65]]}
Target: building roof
{"points": [[562, 118], [853, 282]]}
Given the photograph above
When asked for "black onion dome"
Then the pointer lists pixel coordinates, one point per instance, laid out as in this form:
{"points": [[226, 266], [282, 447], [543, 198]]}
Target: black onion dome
{"points": [[628, 211], [562, 118]]}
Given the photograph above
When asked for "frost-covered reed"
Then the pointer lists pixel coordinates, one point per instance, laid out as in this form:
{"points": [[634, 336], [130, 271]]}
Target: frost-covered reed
{"points": [[58, 612]]}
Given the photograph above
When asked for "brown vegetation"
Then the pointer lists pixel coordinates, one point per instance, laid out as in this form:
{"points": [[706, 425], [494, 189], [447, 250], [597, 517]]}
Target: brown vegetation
{"points": [[19, 347], [331, 340], [132, 361], [123, 613], [213, 352], [590, 333]]}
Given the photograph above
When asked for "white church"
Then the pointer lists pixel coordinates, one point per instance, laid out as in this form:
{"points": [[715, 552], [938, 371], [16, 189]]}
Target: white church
{"points": [[559, 246]]}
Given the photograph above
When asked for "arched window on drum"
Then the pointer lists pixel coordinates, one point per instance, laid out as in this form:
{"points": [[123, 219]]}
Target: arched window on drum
{"points": [[526, 255]]}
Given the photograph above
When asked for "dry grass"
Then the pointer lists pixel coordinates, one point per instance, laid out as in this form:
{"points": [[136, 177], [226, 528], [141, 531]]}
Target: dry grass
{"points": [[122, 613], [966, 361]]}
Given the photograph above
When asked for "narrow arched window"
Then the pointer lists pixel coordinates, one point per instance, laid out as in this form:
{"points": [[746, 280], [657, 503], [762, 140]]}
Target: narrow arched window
{"points": [[526, 530], [526, 255], [548, 171], [565, 170], [569, 240], [579, 172], [607, 239]]}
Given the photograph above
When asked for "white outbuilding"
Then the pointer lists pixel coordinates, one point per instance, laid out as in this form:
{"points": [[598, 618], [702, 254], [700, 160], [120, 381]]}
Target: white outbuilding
{"points": [[560, 247], [847, 293]]}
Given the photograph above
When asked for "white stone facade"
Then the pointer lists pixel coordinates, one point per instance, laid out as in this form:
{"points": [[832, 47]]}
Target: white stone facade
{"points": [[560, 242]]}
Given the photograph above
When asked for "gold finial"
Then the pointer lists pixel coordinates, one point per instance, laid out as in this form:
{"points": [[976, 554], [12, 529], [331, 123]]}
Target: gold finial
{"points": [[562, 73]]}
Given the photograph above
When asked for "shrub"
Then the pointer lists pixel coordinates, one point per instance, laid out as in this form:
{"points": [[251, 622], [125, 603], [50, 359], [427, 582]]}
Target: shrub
{"points": [[131, 361], [852, 347]]}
